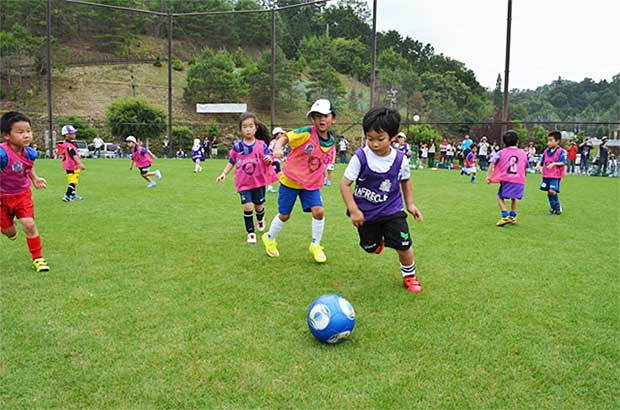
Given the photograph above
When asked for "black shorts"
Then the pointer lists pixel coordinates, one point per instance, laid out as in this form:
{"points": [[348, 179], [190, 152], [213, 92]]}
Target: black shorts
{"points": [[145, 170], [392, 230], [276, 166]]}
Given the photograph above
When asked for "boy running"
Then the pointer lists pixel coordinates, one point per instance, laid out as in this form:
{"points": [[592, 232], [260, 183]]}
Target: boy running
{"points": [[553, 163]]}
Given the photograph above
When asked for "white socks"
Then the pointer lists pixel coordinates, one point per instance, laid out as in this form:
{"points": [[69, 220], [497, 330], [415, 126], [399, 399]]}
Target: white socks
{"points": [[317, 230], [274, 229]]}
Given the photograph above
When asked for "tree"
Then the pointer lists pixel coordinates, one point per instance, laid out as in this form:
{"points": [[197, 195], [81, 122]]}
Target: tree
{"points": [[137, 117], [213, 78], [324, 82]]}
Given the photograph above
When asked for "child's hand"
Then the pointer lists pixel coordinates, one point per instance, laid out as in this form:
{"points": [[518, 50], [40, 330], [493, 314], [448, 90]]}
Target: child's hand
{"points": [[550, 166], [39, 183], [415, 212], [82, 167], [488, 180], [278, 153], [267, 160], [220, 178], [357, 218]]}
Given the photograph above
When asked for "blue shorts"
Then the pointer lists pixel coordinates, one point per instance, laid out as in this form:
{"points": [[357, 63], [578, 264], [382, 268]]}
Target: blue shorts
{"points": [[255, 196], [550, 183], [287, 197]]}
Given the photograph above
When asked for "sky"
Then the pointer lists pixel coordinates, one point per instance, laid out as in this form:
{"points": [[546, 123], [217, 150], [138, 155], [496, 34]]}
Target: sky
{"points": [[550, 38]]}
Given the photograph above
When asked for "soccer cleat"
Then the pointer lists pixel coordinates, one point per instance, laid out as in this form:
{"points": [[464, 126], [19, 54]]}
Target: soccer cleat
{"points": [[317, 253], [503, 221], [270, 246], [13, 237], [328, 182], [40, 265], [261, 225], [513, 220], [412, 284], [271, 190], [552, 211], [76, 196], [151, 184], [67, 199], [558, 210], [380, 248], [158, 174], [251, 237]]}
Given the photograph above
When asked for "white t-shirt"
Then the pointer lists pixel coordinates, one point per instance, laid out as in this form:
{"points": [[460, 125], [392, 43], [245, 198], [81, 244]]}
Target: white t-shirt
{"points": [[483, 148], [97, 142], [431, 150], [424, 152], [377, 164], [450, 150], [343, 145]]}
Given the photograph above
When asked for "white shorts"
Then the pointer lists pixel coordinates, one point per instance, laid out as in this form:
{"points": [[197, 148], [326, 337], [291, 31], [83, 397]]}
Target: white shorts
{"points": [[330, 167], [471, 170]]}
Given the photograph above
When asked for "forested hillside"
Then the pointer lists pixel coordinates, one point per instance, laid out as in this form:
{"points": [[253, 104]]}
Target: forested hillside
{"points": [[322, 51]]}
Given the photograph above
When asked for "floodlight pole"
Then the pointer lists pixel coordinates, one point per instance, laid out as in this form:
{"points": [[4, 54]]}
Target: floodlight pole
{"points": [[50, 120], [373, 59], [273, 66], [507, 70], [170, 81]]}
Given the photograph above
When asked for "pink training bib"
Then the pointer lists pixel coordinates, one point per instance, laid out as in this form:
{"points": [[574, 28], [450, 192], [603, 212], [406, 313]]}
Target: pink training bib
{"points": [[510, 167], [15, 177], [250, 169], [306, 164], [555, 172]]}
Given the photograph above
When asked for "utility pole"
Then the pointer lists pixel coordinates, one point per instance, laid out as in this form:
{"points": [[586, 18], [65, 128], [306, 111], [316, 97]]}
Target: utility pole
{"points": [[507, 70], [50, 119], [373, 60], [273, 65]]}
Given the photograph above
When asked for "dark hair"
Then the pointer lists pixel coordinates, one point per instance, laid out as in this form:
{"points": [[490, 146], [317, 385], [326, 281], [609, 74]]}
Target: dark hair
{"points": [[382, 119], [10, 118], [262, 133], [556, 135], [510, 138]]}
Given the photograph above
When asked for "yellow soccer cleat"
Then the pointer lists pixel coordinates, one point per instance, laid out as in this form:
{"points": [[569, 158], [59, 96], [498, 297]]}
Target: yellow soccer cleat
{"points": [[271, 246], [317, 253], [40, 265], [503, 221]]}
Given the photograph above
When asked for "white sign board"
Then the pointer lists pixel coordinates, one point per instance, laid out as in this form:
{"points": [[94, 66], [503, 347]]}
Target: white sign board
{"points": [[221, 108]]}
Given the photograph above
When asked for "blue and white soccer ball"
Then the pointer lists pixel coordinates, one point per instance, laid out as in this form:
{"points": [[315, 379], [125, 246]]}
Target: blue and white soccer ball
{"points": [[331, 318]]}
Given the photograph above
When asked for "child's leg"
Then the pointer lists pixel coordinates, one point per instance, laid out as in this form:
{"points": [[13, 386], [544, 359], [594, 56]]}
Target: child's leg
{"points": [[502, 206], [276, 226], [248, 217], [32, 237], [407, 269], [473, 177], [318, 224], [260, 215], [10, 232]]}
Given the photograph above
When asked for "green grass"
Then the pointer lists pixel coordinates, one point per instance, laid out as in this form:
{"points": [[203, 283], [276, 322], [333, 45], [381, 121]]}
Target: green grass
{"points": [[156, 301]]}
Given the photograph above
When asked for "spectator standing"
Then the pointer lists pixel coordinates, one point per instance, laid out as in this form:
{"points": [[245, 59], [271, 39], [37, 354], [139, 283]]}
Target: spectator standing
{"points": [[206, 144], [571, 157], [466, 145], [449, 154], [603, 157], [98, 144], [584, 151], [214, 147], [166, 146], [431, 153], [343, 145], [443, 148], [483, 152]]}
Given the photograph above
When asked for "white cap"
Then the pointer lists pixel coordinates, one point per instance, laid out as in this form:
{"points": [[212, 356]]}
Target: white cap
{"points": [[401, 134], [131, 138], [322, 106], [68, 129], [277, 130]]}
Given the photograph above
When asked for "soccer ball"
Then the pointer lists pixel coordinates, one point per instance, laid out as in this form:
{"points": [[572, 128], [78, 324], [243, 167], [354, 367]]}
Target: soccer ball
{"points": [[331, 318]]}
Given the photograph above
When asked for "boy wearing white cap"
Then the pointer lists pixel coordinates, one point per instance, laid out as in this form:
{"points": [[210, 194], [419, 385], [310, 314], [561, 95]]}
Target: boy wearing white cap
{"points": [[70, 162], [143, 158], [313, 148]]}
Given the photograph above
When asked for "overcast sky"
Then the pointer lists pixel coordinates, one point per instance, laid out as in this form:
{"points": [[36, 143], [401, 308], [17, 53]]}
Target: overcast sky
{"points": [[550, 38]]}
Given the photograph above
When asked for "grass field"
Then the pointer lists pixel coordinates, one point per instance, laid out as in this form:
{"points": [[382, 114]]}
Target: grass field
{"points": [[156, 301]]}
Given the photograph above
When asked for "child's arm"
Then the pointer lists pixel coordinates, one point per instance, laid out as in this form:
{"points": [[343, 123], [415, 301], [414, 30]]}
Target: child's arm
{"points": [[357, 217], [407, 189], [226, 170], [130, 164], [490, 172], [37, 181], [278, 152]]}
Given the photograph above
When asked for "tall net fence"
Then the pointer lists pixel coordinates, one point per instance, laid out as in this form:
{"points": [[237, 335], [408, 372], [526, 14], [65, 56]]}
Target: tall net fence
{"points": [[105, 59]]}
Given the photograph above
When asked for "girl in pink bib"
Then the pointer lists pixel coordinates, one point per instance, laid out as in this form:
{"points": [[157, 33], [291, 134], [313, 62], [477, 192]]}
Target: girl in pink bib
{"points": [[253, 171], [143, 158], [508, 168]]}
